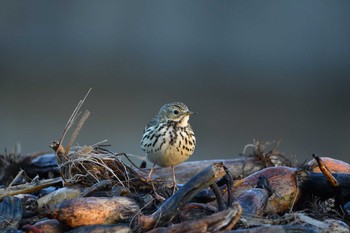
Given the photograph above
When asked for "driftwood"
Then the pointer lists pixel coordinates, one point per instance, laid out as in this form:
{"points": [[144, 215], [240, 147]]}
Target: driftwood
{"points": [[10, 213], [283, 183], [334, 165], [59, 195], [278, 229], [298, 222], [168, 210], [28, 187], [253, 201], [46, 225], [94, 210], [326, 186], [284, 191], [221, 221], [263, 155], [194, 211], [112, 228], [29, 205], [316, 184], [45, 163], [239, 167], [40, 164]]}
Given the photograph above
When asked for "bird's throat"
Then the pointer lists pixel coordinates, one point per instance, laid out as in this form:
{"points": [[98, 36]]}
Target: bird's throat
{"points": [[184, 121]]}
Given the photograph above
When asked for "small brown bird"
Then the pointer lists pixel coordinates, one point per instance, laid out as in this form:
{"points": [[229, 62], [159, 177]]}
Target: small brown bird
{"points": [[168, 138]]}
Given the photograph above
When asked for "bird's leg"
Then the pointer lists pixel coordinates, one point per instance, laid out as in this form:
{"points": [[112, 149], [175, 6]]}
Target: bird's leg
{"points": [[174, 179], [150, 173], [157, 196]]}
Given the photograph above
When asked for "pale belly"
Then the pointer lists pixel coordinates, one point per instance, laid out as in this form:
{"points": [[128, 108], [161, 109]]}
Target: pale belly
{"points": [[169, 157], [170, 149]]}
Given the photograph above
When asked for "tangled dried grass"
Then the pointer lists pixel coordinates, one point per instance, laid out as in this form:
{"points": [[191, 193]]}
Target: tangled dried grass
{"points": [[268, 154], [89, 165]]}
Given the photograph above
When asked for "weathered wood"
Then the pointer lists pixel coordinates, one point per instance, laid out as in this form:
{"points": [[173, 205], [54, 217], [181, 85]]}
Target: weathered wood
{"points": [[318, 185], [242, 166], [298, 222], [29, 205], [28, 187], [326, 172], [45, 226], [219, 222], [10, 213], [253, 201], [334, 165], [43, 165], [102, 229], [194, 211], [283, 183], [277, 229], [168, 209], [94, 210], [60, 195]]}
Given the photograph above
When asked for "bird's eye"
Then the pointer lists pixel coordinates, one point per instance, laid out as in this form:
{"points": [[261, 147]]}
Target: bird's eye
{"points": [[176, 112]]}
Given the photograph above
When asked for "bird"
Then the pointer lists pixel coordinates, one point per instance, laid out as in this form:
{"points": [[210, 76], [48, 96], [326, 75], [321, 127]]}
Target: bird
{"points": [[168, 139]]}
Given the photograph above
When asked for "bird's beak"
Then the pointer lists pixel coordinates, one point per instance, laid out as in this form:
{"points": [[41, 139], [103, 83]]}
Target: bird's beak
{"points": [[189, 113]]}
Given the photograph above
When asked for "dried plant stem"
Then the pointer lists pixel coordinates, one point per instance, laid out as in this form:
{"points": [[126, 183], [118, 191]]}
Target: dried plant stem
{"points": [[28, 187], [14, 179], [76, 131], [73, 117]]}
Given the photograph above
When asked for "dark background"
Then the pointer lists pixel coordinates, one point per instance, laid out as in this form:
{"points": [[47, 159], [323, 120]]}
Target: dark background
{"points": [[259, 70]]}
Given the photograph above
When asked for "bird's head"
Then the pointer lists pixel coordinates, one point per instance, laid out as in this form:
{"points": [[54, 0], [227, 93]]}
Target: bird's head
{"points": [[175, 112]]}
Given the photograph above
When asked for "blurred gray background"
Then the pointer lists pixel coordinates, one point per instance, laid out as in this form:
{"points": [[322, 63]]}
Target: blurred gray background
{"points": [[264, 70]]}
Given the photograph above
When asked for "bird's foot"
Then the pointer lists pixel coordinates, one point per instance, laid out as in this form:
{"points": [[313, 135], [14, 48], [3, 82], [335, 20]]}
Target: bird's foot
{"points": [[175, 188]]}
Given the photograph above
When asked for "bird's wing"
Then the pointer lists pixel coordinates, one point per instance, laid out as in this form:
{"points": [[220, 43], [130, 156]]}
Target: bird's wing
{"points": [[153, 122]]}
